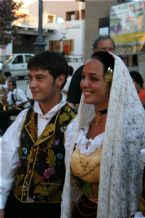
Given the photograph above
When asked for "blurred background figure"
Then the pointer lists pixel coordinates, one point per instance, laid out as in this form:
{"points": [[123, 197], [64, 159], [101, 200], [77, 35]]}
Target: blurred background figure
{"points": [[138, 82], [6, 76], [12, 102], [102, 43], [67, 84], [16, 97], [4, 118]]}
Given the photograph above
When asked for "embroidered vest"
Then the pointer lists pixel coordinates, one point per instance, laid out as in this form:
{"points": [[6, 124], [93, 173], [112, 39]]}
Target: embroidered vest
{"points": [[40, 175]]}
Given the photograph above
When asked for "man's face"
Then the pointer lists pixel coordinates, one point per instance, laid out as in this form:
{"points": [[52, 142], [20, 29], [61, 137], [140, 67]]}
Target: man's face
{"points": [[11, 86], [105, 45], [45, 89]]}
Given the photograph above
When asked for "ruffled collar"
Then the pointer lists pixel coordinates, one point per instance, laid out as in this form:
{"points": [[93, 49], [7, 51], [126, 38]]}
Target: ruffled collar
{"points": [[88, 146]]}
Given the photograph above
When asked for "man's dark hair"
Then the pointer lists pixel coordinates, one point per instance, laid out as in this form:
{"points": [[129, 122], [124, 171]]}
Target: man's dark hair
{"points": [[102, 38], [52, 61], [136, 76], [7, 74]]}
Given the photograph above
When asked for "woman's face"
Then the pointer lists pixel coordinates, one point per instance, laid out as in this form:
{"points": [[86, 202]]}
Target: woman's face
{"points": [[96, 91]]}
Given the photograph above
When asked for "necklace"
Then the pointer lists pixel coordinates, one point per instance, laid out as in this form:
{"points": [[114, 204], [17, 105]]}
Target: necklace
{"points": [[99, 114]]}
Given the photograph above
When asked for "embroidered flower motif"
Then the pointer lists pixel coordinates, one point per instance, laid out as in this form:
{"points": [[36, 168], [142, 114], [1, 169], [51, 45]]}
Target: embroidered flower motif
{"points": [[48, 173], [60, 156], [63, 128], [24, 152], [56, 142]]}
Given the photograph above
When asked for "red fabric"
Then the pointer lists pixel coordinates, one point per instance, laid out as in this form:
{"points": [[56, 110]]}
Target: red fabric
{"points": [[142, 95]]}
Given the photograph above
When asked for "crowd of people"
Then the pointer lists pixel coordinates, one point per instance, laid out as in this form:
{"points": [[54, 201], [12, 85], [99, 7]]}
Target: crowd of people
{"points": [[75, 156]]}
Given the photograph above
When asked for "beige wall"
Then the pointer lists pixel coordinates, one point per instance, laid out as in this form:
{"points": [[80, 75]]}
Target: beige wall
{"points": [[94, 11], [55, 8]]}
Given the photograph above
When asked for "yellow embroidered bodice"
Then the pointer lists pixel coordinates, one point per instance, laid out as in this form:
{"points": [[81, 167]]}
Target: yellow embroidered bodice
{"points": [[86, 167]]}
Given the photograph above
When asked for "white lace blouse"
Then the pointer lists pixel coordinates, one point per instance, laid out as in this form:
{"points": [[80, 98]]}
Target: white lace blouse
{"points": [[88, 146]]}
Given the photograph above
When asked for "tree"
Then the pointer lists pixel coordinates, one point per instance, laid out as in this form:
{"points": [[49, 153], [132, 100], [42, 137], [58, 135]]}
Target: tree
{"points": [[8, 10]]}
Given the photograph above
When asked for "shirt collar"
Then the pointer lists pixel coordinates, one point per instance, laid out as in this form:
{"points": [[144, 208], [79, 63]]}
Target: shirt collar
{"points": [[50, 113]]}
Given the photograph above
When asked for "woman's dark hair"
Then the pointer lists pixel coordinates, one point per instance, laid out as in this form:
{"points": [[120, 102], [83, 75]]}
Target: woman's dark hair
{"points": [[136, 76], [105, 58], [52, 61]]}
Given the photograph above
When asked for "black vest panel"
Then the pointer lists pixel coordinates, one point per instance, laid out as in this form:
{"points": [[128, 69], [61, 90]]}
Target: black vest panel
{"points": [[41, 171]]}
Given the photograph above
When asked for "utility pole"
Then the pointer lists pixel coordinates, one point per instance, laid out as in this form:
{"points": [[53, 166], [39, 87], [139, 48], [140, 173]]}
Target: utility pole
{"points": [[39, 44]]}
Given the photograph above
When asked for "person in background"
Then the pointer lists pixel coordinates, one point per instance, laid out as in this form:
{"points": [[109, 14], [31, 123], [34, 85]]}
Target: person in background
{"points": [[138, 82], [67, 84], [102, 43], [6, 76], [103, 144], [16, 97], [14, 101], [32, 149]]}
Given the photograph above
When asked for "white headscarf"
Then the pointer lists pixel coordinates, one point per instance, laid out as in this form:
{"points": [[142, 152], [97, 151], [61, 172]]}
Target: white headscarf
{"points": [[120, 176]]}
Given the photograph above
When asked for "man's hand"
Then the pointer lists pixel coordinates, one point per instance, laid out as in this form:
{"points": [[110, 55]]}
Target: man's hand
{"points": [[1, 213]]}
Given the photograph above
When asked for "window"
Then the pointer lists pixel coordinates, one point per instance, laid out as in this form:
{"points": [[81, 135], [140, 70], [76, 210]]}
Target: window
{"points": [[18, 59], [104, 26], [72, 15], [51, 18], [66, 46], [27, 57], [130, 60]]}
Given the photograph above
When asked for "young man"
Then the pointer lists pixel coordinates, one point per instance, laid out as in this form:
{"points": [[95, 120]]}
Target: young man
{"points": [[32, 160], [102, 43]]}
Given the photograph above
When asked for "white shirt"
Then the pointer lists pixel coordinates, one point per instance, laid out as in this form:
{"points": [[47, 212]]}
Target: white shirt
{"points": [[19, 96], [10, 143]]}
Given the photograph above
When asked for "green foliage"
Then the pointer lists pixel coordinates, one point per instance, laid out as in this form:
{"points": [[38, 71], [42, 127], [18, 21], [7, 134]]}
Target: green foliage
{"points": [[8, 10]]}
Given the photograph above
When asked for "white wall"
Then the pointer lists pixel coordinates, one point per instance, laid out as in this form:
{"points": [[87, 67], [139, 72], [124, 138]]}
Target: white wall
{"points": [[74, 30], [6, 50]]}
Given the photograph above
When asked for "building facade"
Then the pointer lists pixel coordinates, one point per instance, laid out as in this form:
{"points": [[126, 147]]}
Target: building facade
{"points": [[131, 44]]}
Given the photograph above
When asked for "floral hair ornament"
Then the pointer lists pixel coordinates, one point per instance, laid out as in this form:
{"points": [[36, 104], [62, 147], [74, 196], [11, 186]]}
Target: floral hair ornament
{"points": [[109, 75]]}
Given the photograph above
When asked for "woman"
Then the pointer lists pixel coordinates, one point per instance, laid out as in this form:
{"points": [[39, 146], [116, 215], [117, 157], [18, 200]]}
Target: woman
{"points": [[103, 144]]}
